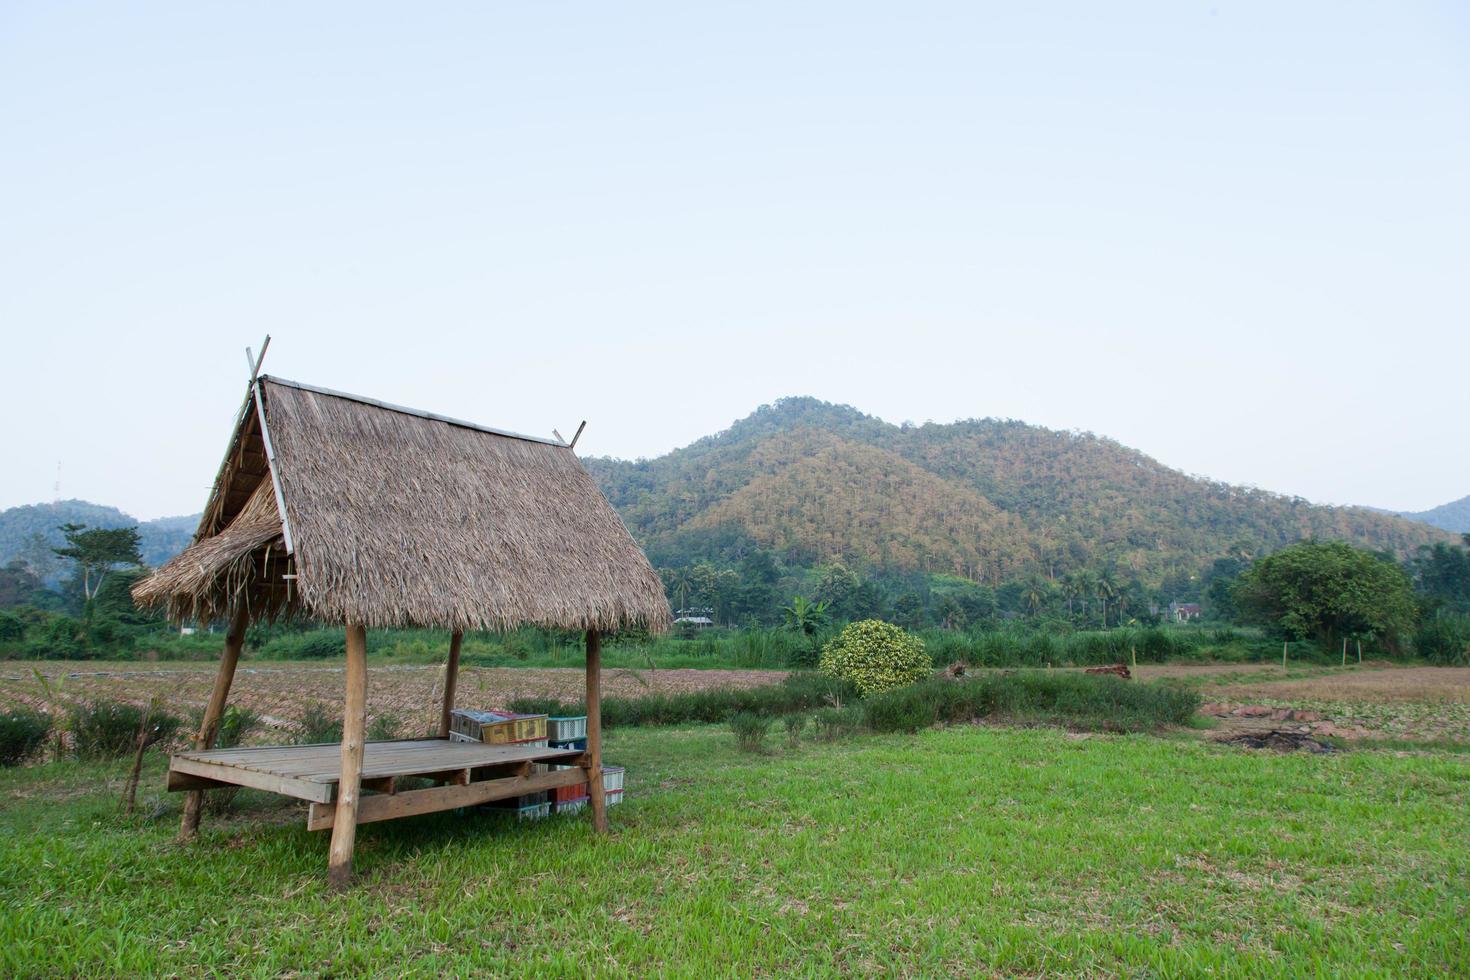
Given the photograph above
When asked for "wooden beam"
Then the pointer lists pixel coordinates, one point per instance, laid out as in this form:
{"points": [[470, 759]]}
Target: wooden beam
{"points": [[349, 786], [451, 675], [593, 758], [209, 724], [301, 789], [415, 801]]}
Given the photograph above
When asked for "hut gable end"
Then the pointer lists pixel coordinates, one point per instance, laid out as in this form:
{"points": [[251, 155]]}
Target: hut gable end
{"points": [[404, 518]]}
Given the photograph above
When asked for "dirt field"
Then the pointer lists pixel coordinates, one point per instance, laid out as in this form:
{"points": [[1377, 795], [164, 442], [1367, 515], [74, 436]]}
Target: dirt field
{"points": [[280, 693], [1375, 701]]}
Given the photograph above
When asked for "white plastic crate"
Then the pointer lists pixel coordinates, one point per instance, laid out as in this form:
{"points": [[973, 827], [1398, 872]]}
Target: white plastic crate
{"points": [[615, 797], [570, 806], [612, 779], [566, 728]]}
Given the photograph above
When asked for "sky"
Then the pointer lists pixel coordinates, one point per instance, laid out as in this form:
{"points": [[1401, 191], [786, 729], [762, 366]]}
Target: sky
{"points": [[1235, 236]]}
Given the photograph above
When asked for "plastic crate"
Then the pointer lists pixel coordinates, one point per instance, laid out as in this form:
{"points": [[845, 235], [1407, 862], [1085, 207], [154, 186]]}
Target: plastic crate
{"points": [[614, 798], [570, 806], [566, 728], [497, 727], [612, 779], [535, 811], [519, 802], [566, 794], [580, 744]]}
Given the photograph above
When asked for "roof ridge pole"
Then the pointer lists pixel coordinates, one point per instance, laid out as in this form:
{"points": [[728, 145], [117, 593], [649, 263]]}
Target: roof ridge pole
{"points": [[271, 467], [593, 758], [209, 724], [349, 785]]}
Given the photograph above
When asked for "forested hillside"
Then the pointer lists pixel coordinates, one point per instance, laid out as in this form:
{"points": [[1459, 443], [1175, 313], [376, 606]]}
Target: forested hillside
{"points": [[985, 499], [30, 532], [1453, 516]]}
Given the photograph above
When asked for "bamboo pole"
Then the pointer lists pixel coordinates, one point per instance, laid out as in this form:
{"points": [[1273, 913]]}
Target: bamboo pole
{"points": [[451, 674], [209, 724], [349, 786], [595, 791]]}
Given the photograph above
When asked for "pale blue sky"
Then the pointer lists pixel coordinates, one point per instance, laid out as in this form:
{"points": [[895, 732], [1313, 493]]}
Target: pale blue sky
{"points": [[1235, 236]]}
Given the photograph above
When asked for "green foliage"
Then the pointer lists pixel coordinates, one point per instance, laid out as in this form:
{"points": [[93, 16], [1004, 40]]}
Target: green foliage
{"points": [[837, 721], [109, 729], [1445, 640], [1055, 697], [235, 725], [318, 726], [98, 550], [794, 725], [750, 730], [12, 628], [876, 656], [1327, 590], [22, 730], [797, 693], [313, 645], [383, 728]]}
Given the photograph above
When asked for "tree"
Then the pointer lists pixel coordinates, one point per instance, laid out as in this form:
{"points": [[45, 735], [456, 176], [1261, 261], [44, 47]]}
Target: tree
{"points": [[1327, 591], [97, 551], [805, 616]]}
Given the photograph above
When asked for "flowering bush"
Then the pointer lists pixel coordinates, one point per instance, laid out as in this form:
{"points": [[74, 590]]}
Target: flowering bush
{"points": [[876, 656]]}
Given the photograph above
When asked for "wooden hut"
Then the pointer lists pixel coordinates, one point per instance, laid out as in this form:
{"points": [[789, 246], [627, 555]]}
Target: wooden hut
{"points": [[348, 510]]}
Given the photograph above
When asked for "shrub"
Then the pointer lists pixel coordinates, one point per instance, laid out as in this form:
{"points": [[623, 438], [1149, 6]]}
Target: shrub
{"points": [[108, 729], [750, 731], [1445, 640], [22, 730], [319, 725], [234, 725], [12, 628], [798, 692], [834, 723], [794, 725], [383, 728], [312, 645], [1056, 697], [876, 656]]}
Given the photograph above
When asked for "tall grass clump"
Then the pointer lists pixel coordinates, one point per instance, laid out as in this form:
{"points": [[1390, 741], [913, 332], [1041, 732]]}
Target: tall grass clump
{"points": [[750, 730], [109, 729], [318, 725], [22, 730], [1052, 697]]}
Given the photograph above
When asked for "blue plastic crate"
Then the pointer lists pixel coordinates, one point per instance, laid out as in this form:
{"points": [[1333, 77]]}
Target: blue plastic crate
{"points": [[580, 744]]}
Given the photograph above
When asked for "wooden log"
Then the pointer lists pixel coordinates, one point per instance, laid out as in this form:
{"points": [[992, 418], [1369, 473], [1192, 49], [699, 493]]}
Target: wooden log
{"points": [[451, 675], [412, 802], [593, 758], [349, 788], [209, 724]]}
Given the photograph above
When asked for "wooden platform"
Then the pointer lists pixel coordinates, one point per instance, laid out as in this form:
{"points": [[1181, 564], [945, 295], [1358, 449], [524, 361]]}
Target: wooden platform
{"points": [[469, 772]]}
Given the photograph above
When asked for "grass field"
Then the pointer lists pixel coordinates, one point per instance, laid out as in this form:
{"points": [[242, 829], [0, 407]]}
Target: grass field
{"points": [[964, 851]]}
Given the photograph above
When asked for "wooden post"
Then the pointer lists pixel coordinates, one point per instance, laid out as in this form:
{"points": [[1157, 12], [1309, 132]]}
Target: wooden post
{"points": [[451, 674], [1283, 653], [349, 786], [1360, 652], [595, 792], [1344, 651], [209, 724]]}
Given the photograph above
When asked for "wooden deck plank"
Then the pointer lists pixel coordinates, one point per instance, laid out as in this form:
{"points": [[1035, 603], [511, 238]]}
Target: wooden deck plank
{"points": [[320, 764], [271, 782]]}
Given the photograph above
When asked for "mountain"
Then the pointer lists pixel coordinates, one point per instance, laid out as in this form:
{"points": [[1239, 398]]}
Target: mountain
{"points": [[158, 541], [986, 499], [1453, 516]]}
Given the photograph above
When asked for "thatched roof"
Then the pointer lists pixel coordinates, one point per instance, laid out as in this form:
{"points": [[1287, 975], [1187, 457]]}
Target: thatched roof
{"points": [[395, 517]]}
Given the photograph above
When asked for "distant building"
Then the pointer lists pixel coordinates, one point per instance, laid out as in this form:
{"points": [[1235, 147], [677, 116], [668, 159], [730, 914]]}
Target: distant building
{"points": [[1182, 612], [694, 622]]}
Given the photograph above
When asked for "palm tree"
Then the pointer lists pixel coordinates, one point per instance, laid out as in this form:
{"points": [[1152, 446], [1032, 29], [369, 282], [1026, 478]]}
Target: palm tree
{"points": [[680, 583], [1034, 594], [1107, 588]]}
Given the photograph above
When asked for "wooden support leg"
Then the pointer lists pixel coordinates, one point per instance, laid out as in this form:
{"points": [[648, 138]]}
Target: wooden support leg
{"points": [[209, 724], [595, 791], [451, 675], [349, 787]]}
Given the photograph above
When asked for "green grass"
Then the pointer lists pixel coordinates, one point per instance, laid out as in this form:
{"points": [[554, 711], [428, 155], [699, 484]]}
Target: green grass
{"points": [[962, 851]]}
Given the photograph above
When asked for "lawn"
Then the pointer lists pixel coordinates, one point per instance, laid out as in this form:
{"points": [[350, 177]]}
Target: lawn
{"points": [[962, 851]]}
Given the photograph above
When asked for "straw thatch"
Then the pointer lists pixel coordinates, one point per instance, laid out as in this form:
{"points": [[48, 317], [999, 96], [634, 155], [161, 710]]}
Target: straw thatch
{"points": [[400, 518]]}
